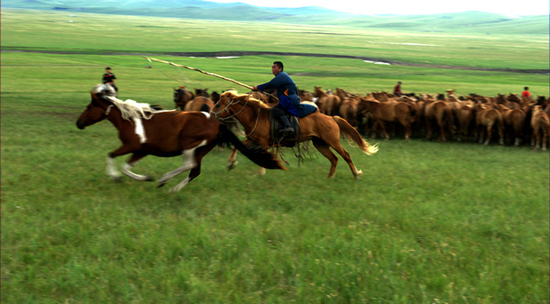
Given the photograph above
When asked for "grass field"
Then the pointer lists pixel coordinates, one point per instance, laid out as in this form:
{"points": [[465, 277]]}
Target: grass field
{"points": [[428, 222]]}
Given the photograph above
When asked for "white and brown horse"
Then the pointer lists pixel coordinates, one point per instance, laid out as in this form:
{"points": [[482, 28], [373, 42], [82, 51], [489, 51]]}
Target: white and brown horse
{"points": [[145, 131]]}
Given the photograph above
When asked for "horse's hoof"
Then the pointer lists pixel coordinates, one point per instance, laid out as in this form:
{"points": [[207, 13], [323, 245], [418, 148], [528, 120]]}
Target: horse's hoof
{"points": [[160, 185], [117, 179], [149, 178], [231, 165]]}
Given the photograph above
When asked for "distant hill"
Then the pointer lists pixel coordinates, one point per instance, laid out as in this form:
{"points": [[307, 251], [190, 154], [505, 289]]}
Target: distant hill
{"points": [[471, 22]]}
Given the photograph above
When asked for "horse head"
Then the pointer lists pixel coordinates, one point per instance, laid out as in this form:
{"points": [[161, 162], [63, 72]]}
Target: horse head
{"points": [[182, 96], [95, 111], [202, 92]]}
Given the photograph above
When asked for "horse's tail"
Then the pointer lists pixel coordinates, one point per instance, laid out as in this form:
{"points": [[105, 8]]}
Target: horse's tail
{"points": [[256, 154], [351, 134]]}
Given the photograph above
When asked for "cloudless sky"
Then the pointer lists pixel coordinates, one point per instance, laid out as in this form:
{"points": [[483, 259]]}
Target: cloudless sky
{"points": [[414, 7]]}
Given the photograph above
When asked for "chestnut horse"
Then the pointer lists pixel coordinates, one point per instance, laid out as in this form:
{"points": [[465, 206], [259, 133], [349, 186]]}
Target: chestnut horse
{"points": [[328, 104], [514, 120], [323, 130], [390, 112], [145, 131], [486, 118], [540, 123]]}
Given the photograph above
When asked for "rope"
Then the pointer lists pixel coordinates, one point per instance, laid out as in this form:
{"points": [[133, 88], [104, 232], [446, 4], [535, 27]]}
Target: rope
{"points": [[178, 81], [200, 71]]}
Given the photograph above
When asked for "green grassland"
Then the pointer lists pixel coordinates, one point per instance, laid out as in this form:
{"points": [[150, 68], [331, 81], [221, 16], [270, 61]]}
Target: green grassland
{"points": [[428, 222]]}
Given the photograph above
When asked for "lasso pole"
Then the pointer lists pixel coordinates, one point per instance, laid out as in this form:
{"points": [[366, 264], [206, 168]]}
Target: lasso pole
{"points": [[194, 69]]}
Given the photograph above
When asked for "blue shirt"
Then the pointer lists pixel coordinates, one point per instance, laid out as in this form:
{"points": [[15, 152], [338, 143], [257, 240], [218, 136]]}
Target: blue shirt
{"points": [[291, 102]]}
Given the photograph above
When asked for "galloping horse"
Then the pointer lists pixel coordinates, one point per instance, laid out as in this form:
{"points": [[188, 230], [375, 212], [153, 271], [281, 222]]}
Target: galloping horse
{"points": [[323, 130], [144, 131]]}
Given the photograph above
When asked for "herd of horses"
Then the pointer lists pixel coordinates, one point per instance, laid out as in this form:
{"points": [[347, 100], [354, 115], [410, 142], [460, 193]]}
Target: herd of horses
{"points": [[509, 119]]}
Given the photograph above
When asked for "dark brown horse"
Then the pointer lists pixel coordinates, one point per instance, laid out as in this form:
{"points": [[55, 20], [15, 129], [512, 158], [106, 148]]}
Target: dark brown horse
{"points": [[323, 130], [182, 96], [144, 131]]}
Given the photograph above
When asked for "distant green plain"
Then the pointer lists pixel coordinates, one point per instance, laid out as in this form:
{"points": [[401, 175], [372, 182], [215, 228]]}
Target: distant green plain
{"points": [[428, 223]]}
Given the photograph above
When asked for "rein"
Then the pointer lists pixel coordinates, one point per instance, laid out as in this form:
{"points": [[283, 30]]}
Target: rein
{"points": [[230, 103]]}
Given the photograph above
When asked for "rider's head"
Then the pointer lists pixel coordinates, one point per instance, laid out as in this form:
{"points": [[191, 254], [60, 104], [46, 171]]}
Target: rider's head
{"points": [[277, 67]]}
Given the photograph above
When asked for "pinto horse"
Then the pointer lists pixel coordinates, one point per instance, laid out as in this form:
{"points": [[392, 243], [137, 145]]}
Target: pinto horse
{"points": [[323, 130], [145, 131]]}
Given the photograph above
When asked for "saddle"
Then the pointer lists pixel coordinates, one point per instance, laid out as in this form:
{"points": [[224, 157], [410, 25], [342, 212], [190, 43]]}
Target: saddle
{"points": [[276, 126]]}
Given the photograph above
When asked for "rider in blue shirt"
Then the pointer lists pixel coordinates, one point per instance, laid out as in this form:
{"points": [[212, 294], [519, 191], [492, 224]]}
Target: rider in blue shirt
{"points": [[288, 97]]}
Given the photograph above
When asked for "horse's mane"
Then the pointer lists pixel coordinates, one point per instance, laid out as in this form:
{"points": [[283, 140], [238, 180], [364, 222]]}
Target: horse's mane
{"points": [[133, 109], [248, 98]]}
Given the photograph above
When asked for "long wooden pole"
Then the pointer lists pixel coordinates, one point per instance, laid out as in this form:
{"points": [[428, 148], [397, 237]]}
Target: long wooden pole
{"points": [[194, 69]]}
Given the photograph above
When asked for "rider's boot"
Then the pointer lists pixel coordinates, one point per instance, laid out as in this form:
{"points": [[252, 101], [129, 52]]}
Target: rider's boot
{"points": [[287, 129]]}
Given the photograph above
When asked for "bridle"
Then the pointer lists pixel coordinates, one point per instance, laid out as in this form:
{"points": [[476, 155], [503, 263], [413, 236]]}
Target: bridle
{"points": [[233, 102], [230, 103]]}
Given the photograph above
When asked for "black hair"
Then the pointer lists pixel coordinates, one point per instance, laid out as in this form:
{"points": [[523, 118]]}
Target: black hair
{"points": [[526, 88], [107, 68], [279, 64]]}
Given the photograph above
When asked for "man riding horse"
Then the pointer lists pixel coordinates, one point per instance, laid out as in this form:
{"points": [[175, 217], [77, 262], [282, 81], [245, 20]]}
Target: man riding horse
{"points": [[288, 98]]}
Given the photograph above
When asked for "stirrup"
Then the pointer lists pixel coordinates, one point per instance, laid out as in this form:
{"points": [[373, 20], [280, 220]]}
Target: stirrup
{"points": [[287, 130]]}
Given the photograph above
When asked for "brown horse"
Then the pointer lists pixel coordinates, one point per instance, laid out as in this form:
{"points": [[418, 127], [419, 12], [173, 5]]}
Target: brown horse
{"points": [[486, 118], [199, 103], [348, 107], [144, 131], [388, 112], [305, 95], [514, 120], [328, 104], [182, 96], [441, 114], [540, 123], [465, 116], [324, 131]]}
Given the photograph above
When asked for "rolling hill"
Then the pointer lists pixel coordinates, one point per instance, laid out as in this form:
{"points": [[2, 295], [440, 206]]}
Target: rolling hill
{"points": [[471, 22]]}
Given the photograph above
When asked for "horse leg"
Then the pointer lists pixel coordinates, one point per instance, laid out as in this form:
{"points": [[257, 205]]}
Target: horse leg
{"points": [[407, 125], [112, 171], [382, 125], [480, 133], [231, 162], [441, 135], [543, 143], [489, 133], [501, 135], [196, 171], [324, 148], [111, 168], [374, 129], [188, 164], [428, 129], [126, 168]]}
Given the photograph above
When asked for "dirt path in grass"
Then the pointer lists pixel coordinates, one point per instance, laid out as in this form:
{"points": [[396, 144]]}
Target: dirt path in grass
{"points": [[251, 53]]}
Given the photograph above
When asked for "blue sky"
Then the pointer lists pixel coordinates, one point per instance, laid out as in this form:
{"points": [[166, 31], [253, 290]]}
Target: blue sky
{"points": [[410, 7]]}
